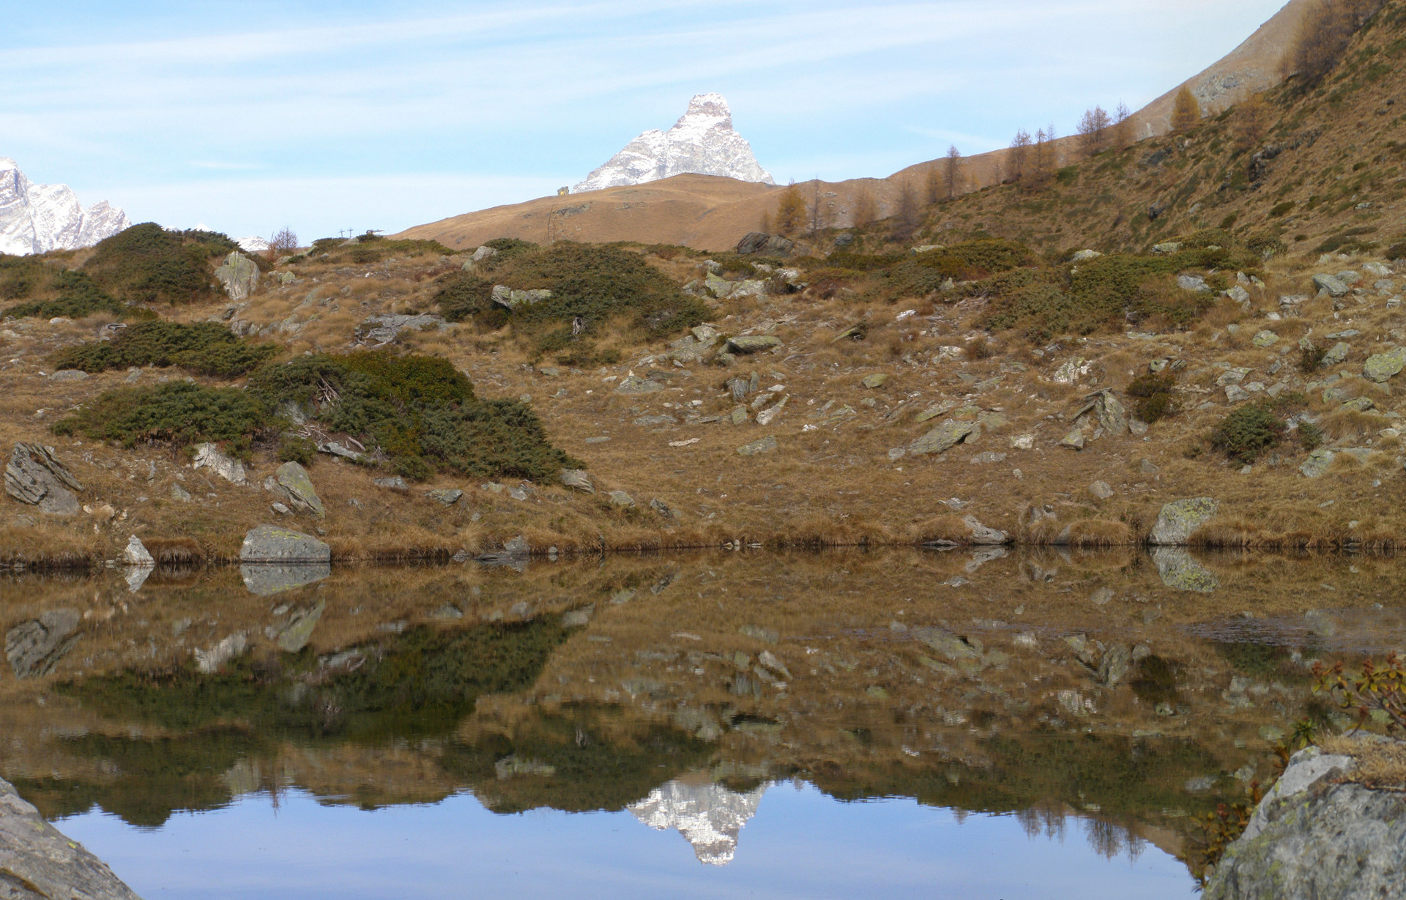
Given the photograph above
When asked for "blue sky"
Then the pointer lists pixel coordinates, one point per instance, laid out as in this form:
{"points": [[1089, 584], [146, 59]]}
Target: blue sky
{"points": [[250, 116]]}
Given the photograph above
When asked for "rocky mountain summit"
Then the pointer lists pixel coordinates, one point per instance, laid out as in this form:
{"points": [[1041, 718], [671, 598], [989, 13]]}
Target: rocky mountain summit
{"points": [[37, 218], [702, 142]]}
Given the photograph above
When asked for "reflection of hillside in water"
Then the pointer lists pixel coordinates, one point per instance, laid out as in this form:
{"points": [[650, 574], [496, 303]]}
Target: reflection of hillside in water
{"points": [[1041, 685]]}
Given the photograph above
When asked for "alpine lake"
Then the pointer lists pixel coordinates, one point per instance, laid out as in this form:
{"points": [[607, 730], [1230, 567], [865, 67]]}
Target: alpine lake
{"points": [[1001, 723]]}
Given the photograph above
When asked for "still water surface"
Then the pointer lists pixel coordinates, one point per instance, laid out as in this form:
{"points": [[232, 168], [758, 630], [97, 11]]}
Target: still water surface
{"points": [[845, 724]]}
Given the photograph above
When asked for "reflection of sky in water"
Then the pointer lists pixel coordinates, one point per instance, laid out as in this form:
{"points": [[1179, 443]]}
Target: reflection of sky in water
{"points": [[800, 843]]}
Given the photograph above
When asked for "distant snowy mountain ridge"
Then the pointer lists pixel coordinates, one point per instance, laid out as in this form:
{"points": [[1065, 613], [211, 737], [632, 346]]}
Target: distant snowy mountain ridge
{"points": [[703, 142], [37, 218]]}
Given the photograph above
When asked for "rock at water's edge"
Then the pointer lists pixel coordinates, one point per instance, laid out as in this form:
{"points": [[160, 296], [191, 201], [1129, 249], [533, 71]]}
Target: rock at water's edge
{"points": [[1180, 518], [36, 860]]}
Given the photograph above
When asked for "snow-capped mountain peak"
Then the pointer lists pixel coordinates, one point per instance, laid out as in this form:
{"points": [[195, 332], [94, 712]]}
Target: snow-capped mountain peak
{"points": [[37, 218], [702, 141], [709, 816]]}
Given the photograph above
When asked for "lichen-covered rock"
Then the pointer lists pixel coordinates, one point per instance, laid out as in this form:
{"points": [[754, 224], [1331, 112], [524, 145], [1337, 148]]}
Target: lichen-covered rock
{"points": [[1383, 367], [1317, 463], [762, 445], [942, 438], [34, 476], [37, 860], [1178, 519], [239, 275], [1314, 836], [1332, 285], [296, 486], [272, 544], [752, 343]]}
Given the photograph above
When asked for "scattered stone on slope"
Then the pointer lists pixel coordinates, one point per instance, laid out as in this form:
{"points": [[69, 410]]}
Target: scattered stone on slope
{"points": [[1180, 518], [511, 299], [578, 480], [382, 329], [136, 554], [1317, 463], [35, 647], [752, 343], [761, 445], [763, 243], [942, 438], [210, 456], [38, 861], [34, 476], [1331, 285], [294, 484], [1382, 367], [445, 496], [238, 275]]}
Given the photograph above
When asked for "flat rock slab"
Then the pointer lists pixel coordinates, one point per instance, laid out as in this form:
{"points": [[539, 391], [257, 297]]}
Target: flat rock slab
{"points": [[38, 861], [942, 438], [753, 343], [34, 476]]}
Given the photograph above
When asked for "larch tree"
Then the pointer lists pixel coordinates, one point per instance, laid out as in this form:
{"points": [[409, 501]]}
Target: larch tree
{"points": [[790, 211], [1122, 126], [952, 171], [906, 217], [865, 210], [934, 185], [1020, 155], [1186, 112], [1093, 130]]}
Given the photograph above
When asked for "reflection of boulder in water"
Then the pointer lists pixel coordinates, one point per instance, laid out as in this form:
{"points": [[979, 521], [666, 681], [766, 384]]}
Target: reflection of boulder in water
{"points": [[265, 579], [1180, 571], [35, 647], [709, 816]]}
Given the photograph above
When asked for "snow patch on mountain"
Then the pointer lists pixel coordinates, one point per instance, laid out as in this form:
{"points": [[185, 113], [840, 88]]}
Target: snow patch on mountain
{"points": [[709, 816], [702, 142], [253, 244], [37, 218]]}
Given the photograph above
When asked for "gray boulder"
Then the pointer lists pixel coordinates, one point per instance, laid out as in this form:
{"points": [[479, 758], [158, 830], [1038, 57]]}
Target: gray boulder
{"points": [[36, 477], [1331, 285], [272, 544], [762, 445], [768, 244], [37, 860], [752, 343], [136, 554], [942, 438], [294, 484], [238, 275], [1316, 836], [578, 480], [445, 496], [1383, 367], [383, 329], [1317, 463], [210, 456], [1178, 519], [511, 299], [1192, 283], [33, 648]]}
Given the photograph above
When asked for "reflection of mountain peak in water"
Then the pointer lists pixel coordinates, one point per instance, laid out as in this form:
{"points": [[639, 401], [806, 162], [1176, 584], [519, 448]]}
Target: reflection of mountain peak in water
{"points": [[709, 816]]}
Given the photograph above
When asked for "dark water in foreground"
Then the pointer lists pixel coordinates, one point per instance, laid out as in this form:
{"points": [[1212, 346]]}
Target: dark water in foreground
{"points": [[899, 723]]}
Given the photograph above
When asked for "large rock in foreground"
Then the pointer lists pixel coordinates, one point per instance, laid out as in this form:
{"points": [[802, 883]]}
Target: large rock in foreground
{"points": [[1314, 836], [1180, 519], [37, 861], [271, 544], [35, 477]]}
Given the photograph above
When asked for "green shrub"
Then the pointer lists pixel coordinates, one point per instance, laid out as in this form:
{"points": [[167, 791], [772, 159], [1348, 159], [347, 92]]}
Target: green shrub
{"points": [[20, 276], [370, 247], [1247, 432], [148, 264], [418, 410], [608, 288], [176, 413], [1310, 436], [78, 297], [205, 348], [297, 449], [1152, 395]]}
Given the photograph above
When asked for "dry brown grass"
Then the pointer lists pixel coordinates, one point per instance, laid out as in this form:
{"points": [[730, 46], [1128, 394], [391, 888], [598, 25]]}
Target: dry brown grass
{"points": [[1380, 763]]}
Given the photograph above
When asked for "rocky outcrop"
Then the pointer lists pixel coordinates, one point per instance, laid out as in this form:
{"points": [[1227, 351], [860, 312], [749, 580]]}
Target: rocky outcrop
{"points": [[292, 482], [37, 218], [1316, 836], [38, 861], [238, 275], [702, 142], [765, 244], [35, 477], [210, 456], [35, 647]]}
